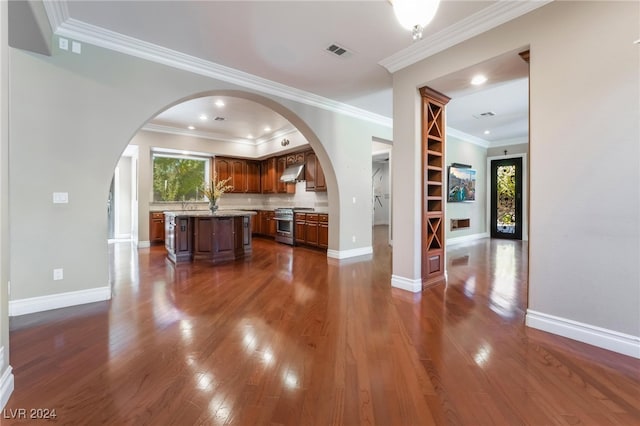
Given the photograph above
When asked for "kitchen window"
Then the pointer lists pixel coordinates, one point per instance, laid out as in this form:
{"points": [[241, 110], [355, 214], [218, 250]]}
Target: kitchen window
{"points": [[179, 177]]}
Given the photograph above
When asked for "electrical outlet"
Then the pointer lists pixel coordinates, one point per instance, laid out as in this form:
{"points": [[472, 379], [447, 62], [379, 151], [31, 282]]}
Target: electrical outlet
{"points": [[76, 47], [58, 274], [353, 239], [63, 43], [354, 200]]}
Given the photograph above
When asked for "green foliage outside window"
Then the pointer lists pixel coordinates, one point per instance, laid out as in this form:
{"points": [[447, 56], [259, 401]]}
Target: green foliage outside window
{"points": [[178, 179]]}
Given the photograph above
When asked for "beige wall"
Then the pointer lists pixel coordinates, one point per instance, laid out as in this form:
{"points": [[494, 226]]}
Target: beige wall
{"points": [[460, 151], [5, 387], [584, 158], [89, 107]]}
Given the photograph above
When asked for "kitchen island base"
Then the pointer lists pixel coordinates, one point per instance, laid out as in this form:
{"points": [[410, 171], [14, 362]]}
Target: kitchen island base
{"points": [[203, 236]]}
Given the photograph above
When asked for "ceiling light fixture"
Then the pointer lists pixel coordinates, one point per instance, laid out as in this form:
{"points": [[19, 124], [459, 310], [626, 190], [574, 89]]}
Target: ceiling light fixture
{"points": [[267, 129], [203, 117], [219, 103], [191, 128], [479, 79], [414, 15], [250, 136], [486, 132]]}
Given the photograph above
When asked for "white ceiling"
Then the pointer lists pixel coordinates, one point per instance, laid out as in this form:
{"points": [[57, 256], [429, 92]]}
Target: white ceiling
{"points": [[285, 42]]}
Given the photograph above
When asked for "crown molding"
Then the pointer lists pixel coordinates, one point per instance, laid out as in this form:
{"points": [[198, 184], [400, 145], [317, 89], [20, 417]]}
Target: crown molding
{"points": [[509, 142], [467, 137], [57, 13], [87, 33], [158, 128], [478, 23]]}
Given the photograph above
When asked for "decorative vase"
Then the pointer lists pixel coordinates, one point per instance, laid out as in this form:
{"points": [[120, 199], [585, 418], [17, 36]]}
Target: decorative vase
{"points": [[213, 206]]}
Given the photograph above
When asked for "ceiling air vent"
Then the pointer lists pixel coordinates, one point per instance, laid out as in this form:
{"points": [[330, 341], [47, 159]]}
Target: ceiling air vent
{"points": [[219, 119], [485, 115], [338, 50]]}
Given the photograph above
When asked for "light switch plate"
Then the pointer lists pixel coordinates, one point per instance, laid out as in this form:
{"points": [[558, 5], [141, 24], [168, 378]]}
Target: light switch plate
{"points": [[76, 47], [63, 43], [60, 197]]}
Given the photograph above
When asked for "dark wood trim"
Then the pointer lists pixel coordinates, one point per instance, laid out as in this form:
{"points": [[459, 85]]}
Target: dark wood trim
{"points": [[524, 55], [428, 92]]}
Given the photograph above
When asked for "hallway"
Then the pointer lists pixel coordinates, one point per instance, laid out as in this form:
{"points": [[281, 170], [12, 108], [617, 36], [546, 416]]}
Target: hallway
{"points": [[287, 338]]}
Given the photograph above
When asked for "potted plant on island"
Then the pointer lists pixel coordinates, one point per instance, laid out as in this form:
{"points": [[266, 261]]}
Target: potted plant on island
{"points": [[215, 189]]}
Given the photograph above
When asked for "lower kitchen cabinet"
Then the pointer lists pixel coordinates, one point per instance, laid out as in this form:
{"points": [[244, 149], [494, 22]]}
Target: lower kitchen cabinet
{"points": [[156, 227], [312, 229], [264, 223], [323, 230]]}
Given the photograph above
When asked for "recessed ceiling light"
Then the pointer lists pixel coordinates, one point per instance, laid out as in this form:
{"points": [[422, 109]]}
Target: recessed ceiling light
{"points": [[486, 132], [250, 136], [203, 117], [219, 103], [478, 80], [267, 129], [191, 128]]}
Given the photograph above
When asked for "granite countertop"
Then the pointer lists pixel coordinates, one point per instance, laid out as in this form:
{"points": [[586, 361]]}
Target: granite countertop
{"points": [[207, 213]]}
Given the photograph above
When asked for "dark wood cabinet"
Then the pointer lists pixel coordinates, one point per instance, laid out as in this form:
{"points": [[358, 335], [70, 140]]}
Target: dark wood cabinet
{"points": [[253, 177], [156, 227], [295, 158], [323, 230], [244, 174], [299, 232], [178, 237], [312, 229], [211, 238], [281, 164], [238, 175], [223, 168], [314, 176], [269, 175]]}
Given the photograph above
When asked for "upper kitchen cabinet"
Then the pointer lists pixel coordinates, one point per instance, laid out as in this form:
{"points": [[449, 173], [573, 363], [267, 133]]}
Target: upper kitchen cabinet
{"points": [[269, 176], [253, 177], [313, 173], [244, 174], [295, 158], [272, 169]]}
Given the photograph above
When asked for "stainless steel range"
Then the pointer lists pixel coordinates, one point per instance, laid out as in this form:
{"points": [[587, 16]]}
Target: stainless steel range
{"points": [[285, 227]]}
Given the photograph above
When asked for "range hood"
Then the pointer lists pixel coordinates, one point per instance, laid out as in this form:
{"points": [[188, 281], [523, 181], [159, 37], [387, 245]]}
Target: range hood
{"points": [[292, 173]]}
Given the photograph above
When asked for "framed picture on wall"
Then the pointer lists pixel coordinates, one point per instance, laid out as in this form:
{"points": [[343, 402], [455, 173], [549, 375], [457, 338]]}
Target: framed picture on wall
{"points": [[462, 184]]}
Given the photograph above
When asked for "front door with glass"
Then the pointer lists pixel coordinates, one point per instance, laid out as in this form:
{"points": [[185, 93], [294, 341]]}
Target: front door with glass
{"points": [[506, 198]]}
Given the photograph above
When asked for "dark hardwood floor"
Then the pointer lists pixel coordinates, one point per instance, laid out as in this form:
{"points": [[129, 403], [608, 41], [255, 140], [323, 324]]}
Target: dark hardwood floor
{"points": [[286, 338]]}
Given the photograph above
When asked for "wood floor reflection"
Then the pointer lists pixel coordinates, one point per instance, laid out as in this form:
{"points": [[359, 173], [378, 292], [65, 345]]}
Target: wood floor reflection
{"points": [[287, 338]]}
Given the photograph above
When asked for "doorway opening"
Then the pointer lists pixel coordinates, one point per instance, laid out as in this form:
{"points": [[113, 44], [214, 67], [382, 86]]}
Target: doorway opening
{"points": [[506, 198]]}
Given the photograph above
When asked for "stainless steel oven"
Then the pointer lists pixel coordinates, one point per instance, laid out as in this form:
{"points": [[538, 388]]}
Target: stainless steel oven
{"points": [[284, 225]]}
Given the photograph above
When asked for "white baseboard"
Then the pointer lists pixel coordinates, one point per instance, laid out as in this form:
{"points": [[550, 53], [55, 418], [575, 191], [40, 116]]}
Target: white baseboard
{"points": [[144, 244], [467, 238], [414, 286], [345, 254], [56, 301], [625, 344], [6, 386], [122, 236]]}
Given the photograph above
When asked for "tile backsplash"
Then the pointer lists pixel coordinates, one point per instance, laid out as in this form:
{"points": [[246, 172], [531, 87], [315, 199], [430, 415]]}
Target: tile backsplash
{"points": [[301, 198]]}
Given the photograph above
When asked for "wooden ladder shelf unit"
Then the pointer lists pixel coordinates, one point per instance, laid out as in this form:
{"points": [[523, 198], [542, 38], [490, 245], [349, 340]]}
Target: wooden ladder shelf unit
{"points": [[433, 185]]}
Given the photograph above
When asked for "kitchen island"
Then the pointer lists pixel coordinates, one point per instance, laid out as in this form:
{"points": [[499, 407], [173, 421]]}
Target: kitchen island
{"points": [[192, 235]]}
